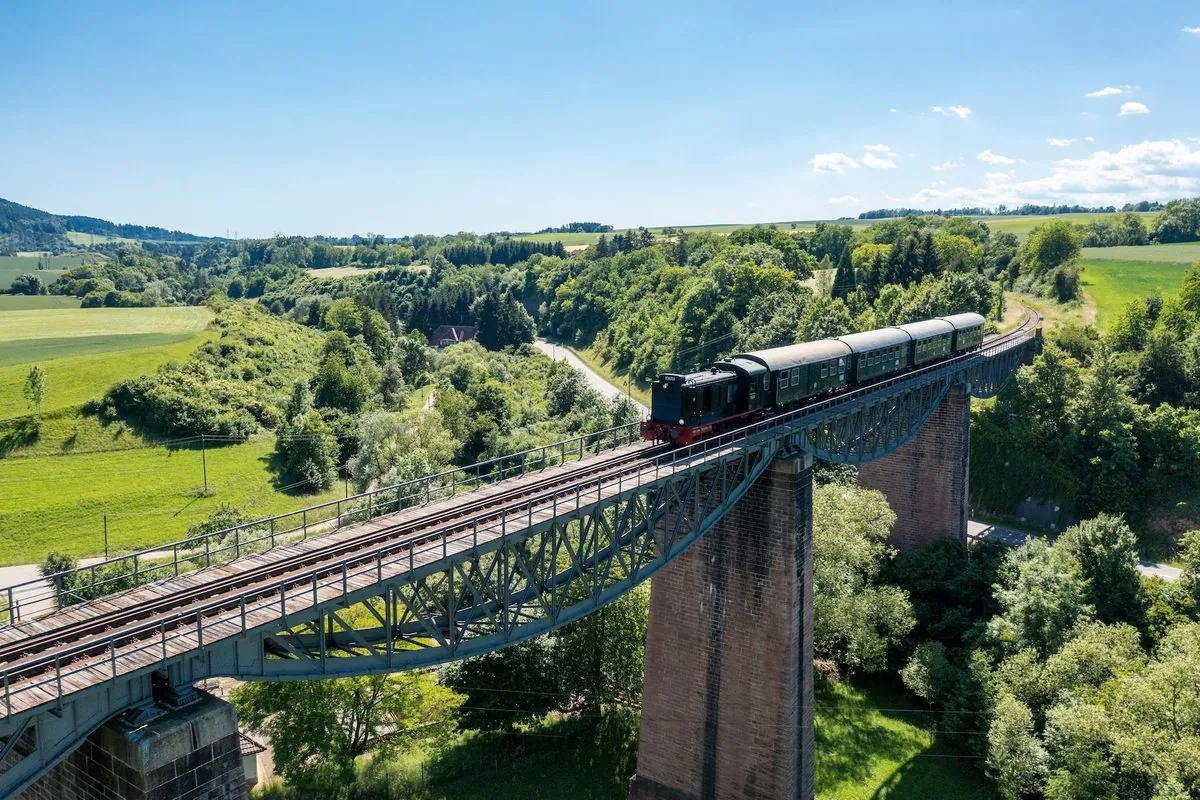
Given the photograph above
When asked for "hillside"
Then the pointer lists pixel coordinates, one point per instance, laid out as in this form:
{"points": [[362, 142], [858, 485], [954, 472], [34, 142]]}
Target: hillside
{"points": [[23, 228]]}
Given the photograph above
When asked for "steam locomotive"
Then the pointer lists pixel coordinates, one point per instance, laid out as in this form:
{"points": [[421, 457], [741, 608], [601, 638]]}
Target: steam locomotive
{"points": [[737, 390]]}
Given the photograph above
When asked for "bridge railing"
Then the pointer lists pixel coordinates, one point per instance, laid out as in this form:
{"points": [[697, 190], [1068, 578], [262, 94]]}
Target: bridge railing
{"points": [[175, 558], [186, 555], [190, 627]]}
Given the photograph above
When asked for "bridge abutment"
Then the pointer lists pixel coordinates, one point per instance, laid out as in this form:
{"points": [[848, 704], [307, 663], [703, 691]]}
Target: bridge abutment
{"points": [[727, 704], [925, 480], [191, 753]]}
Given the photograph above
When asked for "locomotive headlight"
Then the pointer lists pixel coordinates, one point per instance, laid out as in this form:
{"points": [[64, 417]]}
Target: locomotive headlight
{"points": [[680, 422]]}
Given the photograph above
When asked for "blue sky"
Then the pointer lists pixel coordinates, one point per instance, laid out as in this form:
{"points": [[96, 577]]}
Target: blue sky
{"points": [[435, 117]]}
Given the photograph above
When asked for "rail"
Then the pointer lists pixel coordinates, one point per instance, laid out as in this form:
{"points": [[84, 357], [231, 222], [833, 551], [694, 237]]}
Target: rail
{"points": [[173, 559], [198, 552], [164, 639]]}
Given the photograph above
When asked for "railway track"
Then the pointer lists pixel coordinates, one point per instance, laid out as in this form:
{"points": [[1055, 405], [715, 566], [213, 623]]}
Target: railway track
{"points": [[40, 651], [44, 650]]}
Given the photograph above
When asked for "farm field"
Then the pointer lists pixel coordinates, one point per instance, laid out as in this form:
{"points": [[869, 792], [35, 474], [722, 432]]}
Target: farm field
{"points": [[1110, 284], [92, 322], [150, 494], [1021, 226], [13, 266], [20, 302], [76, 379], [343, 272], [1181, 253]]}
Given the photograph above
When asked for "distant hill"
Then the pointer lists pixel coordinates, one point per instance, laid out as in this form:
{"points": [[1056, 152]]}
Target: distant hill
{"points": [[24, 228]]}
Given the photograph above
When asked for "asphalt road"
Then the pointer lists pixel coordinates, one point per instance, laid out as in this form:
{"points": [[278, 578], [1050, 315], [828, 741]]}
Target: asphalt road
{"points": [[981, 531], [559, 353]]}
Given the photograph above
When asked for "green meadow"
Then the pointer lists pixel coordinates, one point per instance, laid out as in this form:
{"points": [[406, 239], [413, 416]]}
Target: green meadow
{"points": [[77, 379], [86, 350], [21, 302], [150, 494], [1110, 284], [1021, 226], [13, 266]]}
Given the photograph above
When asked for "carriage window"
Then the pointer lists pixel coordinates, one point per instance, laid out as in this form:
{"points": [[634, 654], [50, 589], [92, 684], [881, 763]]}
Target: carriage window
{"points": [[783, 380], [795, 376], [824, 370]]}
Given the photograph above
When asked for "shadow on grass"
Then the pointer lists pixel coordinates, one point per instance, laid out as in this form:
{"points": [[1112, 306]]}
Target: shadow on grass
{"points": [[850, 741], [936, 772], [18, 433]]}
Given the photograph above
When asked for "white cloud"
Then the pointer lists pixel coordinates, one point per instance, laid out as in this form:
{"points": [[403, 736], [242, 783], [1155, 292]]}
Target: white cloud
{"points": [[875, 162], [1089, 138], [832, 162], [1191, 30], [892, 111], [1108, 91], [753, 204], [1151, 170], [878, 148], [1055, 142], [1133, 108], [962, 112], [843, 199], [988, 157], [946, 166]]}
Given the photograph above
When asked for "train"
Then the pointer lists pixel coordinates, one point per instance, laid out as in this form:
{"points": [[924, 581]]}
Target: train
{"points": [[742, 388]]}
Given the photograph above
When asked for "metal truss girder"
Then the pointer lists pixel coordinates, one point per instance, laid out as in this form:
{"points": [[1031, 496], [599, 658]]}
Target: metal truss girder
{"points": [[519, 586]]}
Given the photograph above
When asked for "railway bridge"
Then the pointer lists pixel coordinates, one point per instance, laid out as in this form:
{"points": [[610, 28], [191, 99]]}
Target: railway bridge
{"points": [[98, 664]]}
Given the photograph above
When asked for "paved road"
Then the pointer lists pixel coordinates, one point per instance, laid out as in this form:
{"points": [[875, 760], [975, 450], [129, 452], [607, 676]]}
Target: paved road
{"points": [[980, 531], [594, 379]]}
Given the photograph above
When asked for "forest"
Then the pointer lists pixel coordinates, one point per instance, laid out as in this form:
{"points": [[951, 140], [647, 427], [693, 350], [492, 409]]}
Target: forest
{"points": [[1054, 663]]}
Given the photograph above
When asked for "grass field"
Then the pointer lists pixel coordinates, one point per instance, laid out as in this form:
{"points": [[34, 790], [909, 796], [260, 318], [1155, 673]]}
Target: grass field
{"points": [[77, 379], [343, 272], [19, 326], [13, 266], [1110, 284], [1018, 225], [874, 743], [151, 495], [88, 239], [42, 350], [20, 302], [1186, 252]]}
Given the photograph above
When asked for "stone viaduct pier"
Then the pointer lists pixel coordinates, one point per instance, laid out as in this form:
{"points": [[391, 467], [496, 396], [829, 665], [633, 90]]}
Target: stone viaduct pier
{"points": [[96, 698]]}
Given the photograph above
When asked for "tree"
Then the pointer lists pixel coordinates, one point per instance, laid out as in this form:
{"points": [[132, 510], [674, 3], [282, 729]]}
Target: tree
{"points": [[1107, 553], [856, 619], [1050, 246], [843, 281], [226, 516], [27, 284], [506, 687], [35, 388], [1189, 556], [1078, 742], [1016, 761], [600, 659], [317, 728], [337, 386], [1041, 594], [501, 320], [307, 454], [1105, 452]]}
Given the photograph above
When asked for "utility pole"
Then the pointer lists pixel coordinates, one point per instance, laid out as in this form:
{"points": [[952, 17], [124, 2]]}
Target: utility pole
{"points": [[204, 463], [106, 537]]}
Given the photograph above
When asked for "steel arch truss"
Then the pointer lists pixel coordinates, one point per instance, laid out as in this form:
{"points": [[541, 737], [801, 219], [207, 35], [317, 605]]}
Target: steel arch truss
{"points": [[530, 582]]}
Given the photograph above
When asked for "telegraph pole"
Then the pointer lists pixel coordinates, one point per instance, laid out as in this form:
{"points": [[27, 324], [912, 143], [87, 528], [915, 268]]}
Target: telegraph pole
{"points": [[204, 463]]}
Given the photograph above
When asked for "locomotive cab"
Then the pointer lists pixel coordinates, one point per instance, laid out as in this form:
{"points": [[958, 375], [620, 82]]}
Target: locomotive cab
{"points": [[685, 407]]}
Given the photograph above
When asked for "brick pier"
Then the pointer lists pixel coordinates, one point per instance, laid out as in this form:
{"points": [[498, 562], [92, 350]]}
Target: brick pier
{"points": [[727, 704], [925, 480], [192, 753]]}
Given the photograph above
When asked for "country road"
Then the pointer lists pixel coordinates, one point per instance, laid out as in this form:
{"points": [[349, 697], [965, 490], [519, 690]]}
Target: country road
{"points": [[594, 379]]}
